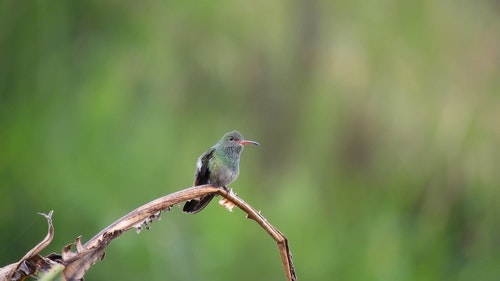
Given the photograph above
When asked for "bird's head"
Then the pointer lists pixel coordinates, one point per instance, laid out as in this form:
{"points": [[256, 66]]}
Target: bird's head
{"points": [[234, 140]]}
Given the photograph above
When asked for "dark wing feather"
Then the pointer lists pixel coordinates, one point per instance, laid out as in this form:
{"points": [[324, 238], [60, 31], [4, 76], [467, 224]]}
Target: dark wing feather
{"points": [[201, 177], [202, 173]]}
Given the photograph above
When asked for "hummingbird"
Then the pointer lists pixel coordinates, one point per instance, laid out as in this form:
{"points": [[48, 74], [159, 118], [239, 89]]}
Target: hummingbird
{"points": [[219, 165]]}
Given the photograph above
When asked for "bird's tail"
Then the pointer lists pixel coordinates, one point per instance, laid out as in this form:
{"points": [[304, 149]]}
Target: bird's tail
{"points": [[194, 206]]}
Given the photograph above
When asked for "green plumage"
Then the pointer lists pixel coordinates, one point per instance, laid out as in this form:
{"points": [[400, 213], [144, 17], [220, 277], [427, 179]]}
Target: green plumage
{"points": [[219, 165]]}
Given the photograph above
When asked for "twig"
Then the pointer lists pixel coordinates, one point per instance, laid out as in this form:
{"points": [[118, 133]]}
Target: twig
{"points": [[281, 240], [137, 217], [76, 263], [31, 261], [88, 254]]}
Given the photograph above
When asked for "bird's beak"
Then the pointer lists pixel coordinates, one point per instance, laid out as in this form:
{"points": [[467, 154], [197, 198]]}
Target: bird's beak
{"points": [[245, 142]]}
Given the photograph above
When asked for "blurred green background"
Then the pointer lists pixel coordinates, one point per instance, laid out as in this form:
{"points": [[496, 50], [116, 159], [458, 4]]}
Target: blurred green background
{"points": [[378, 123]]}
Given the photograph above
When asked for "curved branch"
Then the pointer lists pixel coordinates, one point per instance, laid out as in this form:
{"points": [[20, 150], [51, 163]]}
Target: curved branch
{"points": [[76, 263], [91, 252], [281, 240]]}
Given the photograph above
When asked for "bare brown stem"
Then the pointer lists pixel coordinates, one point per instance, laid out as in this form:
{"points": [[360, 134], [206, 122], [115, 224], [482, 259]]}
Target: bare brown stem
{"points": [[281, 240], [76, 263]]}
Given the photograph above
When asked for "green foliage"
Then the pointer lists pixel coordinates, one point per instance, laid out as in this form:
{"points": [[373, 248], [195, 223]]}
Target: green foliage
{"points": [[378, 124]]}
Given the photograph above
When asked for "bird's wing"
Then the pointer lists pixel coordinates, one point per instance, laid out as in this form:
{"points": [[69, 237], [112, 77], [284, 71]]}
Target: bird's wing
{"points": [[201, 176], [202, 173]]}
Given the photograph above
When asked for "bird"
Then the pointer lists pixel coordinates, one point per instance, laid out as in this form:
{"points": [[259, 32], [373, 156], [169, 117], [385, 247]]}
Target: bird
{"points": [[219, 165]]}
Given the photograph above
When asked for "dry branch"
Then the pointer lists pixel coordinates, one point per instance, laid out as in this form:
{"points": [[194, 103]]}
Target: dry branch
{"points": [[31, 261], [76, 263], [286, 255]]}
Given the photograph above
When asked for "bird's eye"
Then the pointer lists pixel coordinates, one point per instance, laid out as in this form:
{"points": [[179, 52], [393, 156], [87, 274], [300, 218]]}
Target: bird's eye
{"points": [[231, 138]]}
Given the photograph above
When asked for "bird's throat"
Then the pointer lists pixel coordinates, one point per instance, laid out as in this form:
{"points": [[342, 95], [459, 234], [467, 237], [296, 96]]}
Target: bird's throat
{"points": [[230, 158]]}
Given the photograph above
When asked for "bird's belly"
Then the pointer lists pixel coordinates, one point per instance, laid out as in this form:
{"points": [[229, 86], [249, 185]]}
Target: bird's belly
{"points": [[224, 178]]}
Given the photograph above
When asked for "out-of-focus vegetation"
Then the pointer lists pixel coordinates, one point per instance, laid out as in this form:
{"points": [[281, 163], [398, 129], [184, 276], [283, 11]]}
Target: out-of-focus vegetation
{"points": [[378, 123]]}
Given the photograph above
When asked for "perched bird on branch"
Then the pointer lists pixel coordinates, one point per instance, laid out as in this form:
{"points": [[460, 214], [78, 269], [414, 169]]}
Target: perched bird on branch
{"points": [[219, 165]]}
